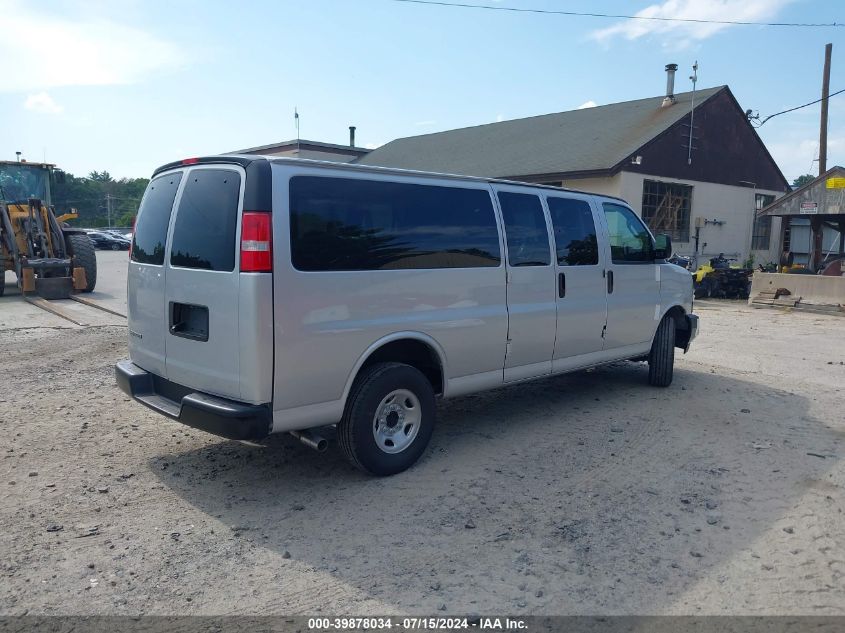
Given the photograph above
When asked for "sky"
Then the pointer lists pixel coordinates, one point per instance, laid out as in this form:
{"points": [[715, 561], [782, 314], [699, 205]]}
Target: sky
{"points": [[127, 85]]}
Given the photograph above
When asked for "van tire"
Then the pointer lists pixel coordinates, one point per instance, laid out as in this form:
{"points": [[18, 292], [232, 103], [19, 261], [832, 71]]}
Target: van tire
{"points": [[355, 432], [80, 246], [661, 358]]}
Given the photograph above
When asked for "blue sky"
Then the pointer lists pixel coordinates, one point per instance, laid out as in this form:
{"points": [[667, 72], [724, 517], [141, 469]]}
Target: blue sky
{"points": [[129, 85]]}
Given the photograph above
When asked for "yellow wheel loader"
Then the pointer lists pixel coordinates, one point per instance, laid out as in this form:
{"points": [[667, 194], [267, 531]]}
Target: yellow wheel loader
{"points": [[49, 258]]}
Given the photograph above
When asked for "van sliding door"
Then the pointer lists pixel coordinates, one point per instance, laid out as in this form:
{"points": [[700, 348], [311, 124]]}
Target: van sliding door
{"points": [[532, 314]]}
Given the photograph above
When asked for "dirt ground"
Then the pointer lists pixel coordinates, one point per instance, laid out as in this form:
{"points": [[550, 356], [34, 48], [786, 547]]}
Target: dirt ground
{"points": [[590, 493]]}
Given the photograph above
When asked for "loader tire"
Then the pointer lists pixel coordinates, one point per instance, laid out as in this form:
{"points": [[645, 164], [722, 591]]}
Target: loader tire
{"points": [[80, 246], [2, 275], [661, 358]]}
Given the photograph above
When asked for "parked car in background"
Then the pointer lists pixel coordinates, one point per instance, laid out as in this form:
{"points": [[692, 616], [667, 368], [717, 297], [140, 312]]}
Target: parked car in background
{"points": [[107, 241]]}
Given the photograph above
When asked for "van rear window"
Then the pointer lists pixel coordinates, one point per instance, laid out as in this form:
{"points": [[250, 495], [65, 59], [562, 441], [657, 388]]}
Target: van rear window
{"points": [[355, 224], [150, 233], [204, 231]]}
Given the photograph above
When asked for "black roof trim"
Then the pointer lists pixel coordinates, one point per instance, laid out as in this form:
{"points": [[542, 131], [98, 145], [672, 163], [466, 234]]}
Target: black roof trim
{"points": [[224, 159], [258, 189]]}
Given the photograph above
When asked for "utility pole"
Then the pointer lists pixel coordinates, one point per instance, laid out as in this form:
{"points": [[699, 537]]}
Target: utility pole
{"points": [[828, 49], [816, 225], [108, 209]]}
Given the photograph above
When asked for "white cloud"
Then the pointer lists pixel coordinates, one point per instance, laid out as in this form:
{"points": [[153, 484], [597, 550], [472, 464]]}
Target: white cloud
{"points": [[42, 103], [796, 156], [75, 51], [684, 32], [588, 104]]}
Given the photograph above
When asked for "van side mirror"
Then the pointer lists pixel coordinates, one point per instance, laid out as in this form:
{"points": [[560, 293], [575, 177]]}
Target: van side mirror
{"points": [[662, 246]]}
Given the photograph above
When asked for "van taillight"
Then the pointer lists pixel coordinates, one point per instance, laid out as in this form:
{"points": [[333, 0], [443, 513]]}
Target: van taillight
{"points": [[256, 242]]}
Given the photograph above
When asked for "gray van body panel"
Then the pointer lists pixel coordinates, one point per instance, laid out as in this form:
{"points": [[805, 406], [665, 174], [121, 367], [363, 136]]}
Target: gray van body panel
{"points": [[327, 323]]}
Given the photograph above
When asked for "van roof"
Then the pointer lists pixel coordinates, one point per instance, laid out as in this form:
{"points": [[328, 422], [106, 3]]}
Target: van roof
{"points": [[246, 159]]}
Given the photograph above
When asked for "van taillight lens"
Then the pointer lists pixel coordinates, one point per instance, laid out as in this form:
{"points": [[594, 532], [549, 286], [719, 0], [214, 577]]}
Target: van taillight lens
{"points": [[256, 242]]}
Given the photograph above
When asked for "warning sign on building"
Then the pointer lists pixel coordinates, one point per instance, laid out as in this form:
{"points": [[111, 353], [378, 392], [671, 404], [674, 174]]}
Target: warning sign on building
{"points": [[809, 208], [836, 183]]}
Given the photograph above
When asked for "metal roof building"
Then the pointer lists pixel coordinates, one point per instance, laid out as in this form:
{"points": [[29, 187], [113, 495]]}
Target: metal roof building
{"points": [[690, 164], [821, 203]]}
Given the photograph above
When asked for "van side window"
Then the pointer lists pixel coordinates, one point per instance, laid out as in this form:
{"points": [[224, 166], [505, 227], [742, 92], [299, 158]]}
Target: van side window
{"points": [[204, 231], [630, 241], [150, 234], [575, 232], [355, 224], [525, 229]]}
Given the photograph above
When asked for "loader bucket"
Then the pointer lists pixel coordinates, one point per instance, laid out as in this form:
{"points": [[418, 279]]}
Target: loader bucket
{"points": [[54, 287]]}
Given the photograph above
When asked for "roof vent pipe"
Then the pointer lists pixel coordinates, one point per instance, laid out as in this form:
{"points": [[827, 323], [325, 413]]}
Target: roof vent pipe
{"points": [[669, 99], [351, 136]]}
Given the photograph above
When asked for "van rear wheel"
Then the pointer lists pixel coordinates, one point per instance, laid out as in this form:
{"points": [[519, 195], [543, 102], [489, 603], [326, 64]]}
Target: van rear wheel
{"points": [[388, 420], [661, 358]]}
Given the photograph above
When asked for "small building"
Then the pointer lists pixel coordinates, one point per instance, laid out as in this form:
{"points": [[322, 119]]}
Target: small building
{"points": [[315, 150], [812, 220], [690, 164]]}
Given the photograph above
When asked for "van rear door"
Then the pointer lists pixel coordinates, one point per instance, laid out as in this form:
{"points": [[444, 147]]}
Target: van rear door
{"points": [[201, 297], [146, 278]]}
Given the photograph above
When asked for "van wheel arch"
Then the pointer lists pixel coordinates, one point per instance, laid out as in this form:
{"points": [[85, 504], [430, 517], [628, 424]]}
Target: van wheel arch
{"points": [[682, 332], [408, 350]]}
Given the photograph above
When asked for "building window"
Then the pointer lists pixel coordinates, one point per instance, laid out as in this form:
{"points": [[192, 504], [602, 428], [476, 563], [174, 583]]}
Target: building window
{"points": [[666, 208], [762, 235]]}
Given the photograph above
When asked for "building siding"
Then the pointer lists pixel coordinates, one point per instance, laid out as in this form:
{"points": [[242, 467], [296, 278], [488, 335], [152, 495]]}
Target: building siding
{"points": [[726, 149]]}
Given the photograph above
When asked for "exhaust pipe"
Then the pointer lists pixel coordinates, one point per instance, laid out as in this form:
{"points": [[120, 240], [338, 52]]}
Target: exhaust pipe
{"points": [[311, 440]]}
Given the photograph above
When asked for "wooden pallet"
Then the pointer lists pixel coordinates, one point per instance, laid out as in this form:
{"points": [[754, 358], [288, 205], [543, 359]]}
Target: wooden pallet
{"points": [[767, 298]]}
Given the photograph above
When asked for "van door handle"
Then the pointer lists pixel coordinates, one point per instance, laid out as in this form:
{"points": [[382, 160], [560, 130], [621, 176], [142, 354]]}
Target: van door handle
{"points": [[609, 281], [561, 285]]}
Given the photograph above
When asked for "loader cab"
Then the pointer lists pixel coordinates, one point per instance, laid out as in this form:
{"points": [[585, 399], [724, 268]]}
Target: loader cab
{"points": [[21, 181]]}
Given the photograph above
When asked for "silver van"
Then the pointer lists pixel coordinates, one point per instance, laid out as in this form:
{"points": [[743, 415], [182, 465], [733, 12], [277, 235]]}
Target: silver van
{"points": [[271, 295]]}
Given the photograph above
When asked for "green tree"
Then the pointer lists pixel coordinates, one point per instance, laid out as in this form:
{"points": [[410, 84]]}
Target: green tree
{"points": [[88, 195], [803, 180]]}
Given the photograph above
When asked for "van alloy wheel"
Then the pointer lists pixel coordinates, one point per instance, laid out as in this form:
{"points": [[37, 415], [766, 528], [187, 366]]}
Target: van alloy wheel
{"points": [[397, 421]]}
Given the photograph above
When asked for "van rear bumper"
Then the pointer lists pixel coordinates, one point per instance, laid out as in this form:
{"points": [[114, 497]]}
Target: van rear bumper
{"points": [[219, 416]]}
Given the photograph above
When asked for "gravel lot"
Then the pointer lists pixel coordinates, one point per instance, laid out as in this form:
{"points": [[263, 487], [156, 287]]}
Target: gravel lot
{"points": [[590, 493]]}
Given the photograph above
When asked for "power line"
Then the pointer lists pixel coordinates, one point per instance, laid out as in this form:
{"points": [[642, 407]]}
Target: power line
{"points": [[833, 94], [441, 3]]}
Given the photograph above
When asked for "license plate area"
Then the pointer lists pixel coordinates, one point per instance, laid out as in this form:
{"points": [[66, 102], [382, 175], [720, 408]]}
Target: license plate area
{"points": [[189, 321]]}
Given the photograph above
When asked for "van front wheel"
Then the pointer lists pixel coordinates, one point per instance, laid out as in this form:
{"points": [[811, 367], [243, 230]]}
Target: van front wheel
{"points": [[661, 358], [388, 419]]}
